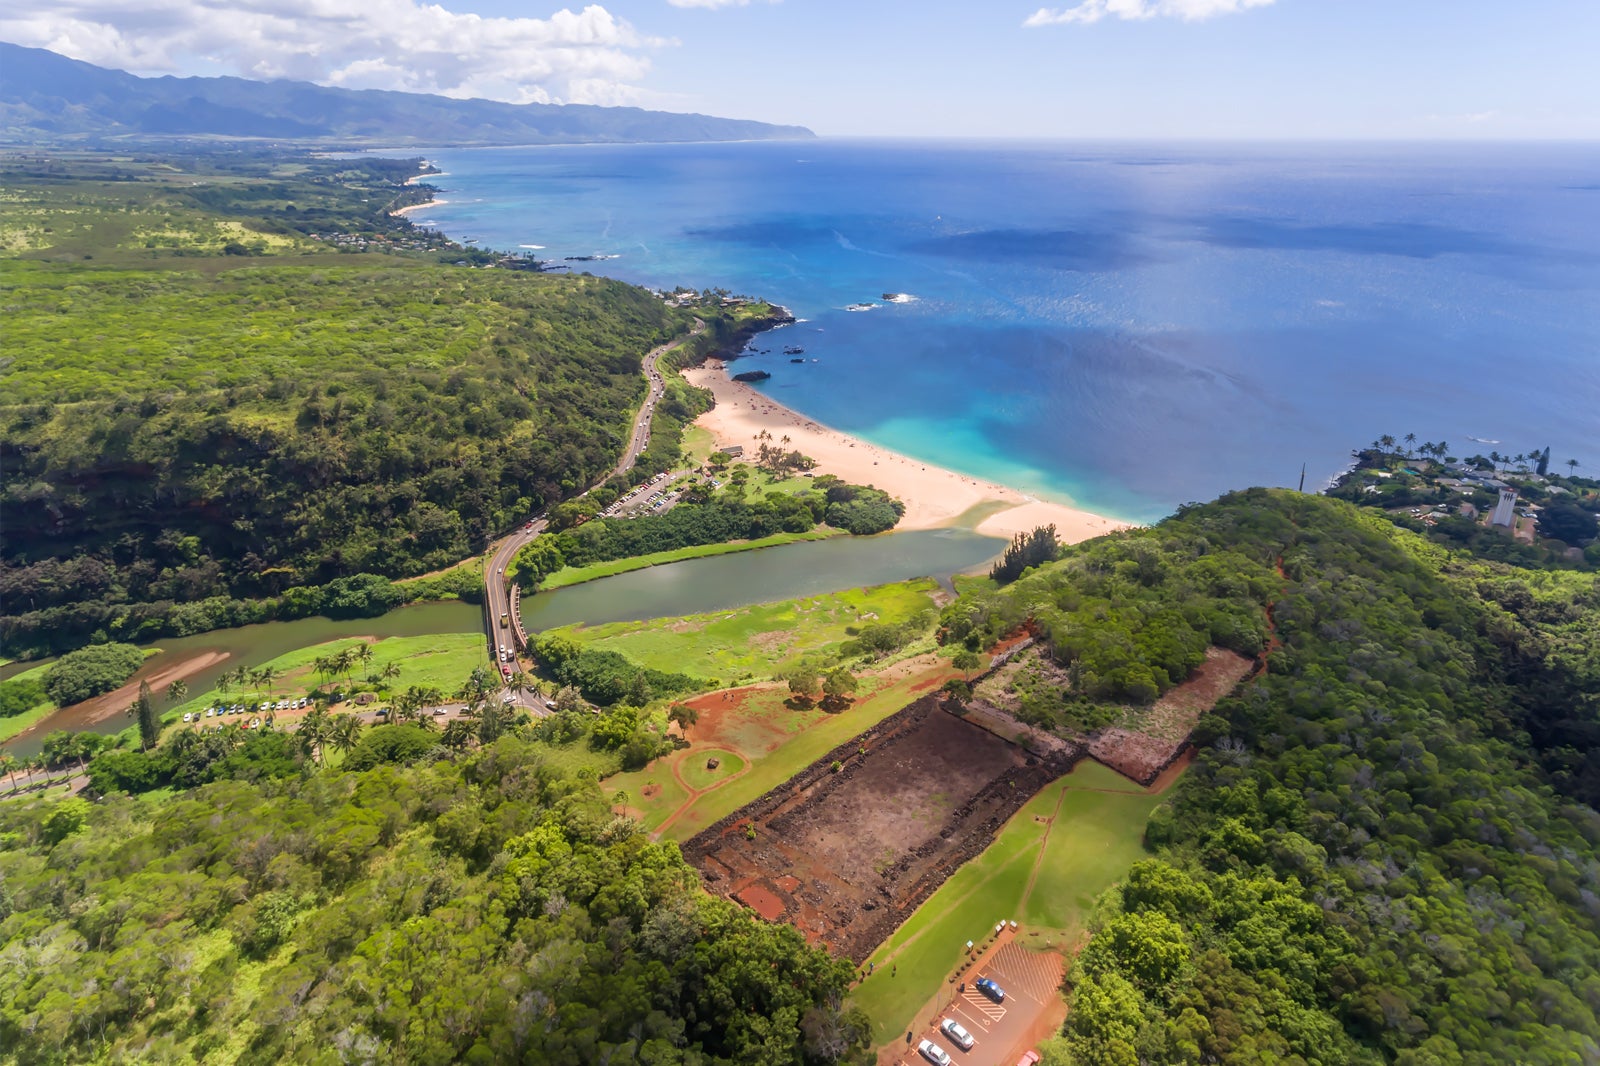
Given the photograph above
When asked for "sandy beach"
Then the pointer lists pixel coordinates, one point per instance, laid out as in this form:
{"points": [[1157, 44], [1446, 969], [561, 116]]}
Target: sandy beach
{"points": [[934, 497], [417, 207]]}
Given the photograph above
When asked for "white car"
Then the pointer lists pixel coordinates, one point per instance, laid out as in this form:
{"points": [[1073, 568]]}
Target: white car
{"points": [[957, 1033], [187, 717], [934, 1053]]}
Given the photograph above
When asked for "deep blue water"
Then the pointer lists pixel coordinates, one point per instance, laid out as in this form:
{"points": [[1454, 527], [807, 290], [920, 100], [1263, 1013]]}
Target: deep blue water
{"points": [[1123, 326]]}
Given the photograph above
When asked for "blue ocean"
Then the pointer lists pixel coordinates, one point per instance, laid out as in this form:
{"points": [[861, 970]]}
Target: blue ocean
{"points": [[1124, 327]]}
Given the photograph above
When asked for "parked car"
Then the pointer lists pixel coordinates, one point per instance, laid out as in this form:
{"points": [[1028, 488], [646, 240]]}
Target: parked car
{"points": [[1029, 1058], [187, 717], [989, 988], [934, 1053], [957, 1033]]}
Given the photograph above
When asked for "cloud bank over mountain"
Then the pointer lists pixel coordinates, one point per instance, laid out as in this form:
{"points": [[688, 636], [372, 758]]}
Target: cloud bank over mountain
{"points": [[587, 56]]}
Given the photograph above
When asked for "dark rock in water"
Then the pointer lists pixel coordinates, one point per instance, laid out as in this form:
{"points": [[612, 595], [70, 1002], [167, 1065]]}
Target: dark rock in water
{"points": [[797, 360], [752, 375], [794, 349]]}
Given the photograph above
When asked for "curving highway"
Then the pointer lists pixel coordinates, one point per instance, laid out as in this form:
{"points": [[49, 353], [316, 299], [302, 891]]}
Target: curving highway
{"points": [[504, 621]]}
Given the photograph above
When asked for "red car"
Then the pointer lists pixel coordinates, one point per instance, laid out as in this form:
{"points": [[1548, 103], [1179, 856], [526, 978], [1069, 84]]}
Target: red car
{"points": [[1029, 1058]]}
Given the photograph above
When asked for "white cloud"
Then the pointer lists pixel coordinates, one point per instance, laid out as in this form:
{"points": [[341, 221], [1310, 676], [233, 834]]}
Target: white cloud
{"points": [[712, 3], [1094, 10], [587, 56]]}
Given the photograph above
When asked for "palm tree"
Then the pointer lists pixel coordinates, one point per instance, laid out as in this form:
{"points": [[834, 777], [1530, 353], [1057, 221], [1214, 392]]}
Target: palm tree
{"points": [[362, 653], [313, 733], [268, 675], [344, 732], [1387, 442], [8, 765], [1411, 440], [345, 662], [177, 691], [390, 671], [323, 667], [519, 683], [1444, 449], [1572, 465], [225, 682], [457, 735]]}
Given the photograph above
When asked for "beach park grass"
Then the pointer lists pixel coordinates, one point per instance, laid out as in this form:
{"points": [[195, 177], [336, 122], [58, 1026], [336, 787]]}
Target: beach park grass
{"points": [[441, 660], [576, 575], [758, 641], [1044, 870]]}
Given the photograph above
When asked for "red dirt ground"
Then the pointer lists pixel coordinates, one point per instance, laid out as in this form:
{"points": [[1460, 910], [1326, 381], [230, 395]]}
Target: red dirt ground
{"points": [[851, 853]]}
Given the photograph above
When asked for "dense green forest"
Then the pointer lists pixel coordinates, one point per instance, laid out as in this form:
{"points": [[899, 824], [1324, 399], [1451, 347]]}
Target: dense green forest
{"points": [[490, 909], [1387, 849], [705, 517], [204, 404]]}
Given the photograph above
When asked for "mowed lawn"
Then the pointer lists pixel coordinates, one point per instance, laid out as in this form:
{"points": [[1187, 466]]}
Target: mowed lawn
{"points": [[440, 660], [757, 641], [1073, 840]]}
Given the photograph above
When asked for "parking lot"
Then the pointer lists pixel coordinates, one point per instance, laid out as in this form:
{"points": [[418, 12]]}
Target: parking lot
{"points": [[1002, 1032]]}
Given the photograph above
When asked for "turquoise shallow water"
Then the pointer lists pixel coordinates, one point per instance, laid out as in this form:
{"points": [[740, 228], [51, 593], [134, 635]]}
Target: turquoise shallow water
{"points": [[1127, 327]]}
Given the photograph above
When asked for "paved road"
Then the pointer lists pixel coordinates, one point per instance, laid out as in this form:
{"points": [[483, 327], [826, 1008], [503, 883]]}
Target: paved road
{"points": [[497, 594]]}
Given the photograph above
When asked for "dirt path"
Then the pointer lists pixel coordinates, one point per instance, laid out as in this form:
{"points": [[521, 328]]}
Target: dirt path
{"points": [[1044, 845]]}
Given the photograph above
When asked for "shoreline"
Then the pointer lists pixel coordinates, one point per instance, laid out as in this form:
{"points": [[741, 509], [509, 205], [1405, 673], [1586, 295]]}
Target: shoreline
{"points": [[935, 497], [401, 211]]}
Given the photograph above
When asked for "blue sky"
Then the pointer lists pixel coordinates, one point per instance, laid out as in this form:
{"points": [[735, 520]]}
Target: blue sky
{"points": [[1098, 68]]}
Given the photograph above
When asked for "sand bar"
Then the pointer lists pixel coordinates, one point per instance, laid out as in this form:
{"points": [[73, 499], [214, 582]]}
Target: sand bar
{"points": [[934, 497]]}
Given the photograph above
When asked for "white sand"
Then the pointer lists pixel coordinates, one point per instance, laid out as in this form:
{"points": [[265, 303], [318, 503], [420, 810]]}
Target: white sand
{"points": [[933, 496], [417, 207]]}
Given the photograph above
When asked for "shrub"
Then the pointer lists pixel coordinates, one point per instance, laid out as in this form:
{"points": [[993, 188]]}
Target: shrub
{"points": [[19, 697], [390, 743], [91, 671]]}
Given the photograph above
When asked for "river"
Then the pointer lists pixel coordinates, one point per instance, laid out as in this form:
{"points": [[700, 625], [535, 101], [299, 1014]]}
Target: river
{"points": [[689, 587], [719, 582]]}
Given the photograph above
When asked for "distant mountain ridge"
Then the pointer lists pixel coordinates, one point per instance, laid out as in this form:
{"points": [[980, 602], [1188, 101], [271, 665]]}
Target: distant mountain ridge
{"points": [[48, 97]]}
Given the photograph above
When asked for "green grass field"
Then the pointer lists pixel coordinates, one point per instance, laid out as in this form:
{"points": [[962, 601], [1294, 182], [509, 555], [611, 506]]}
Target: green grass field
{"points": [[442, 660], [759, 641], [10, 727], [576, 575], [698, 776], [1045, 869]]}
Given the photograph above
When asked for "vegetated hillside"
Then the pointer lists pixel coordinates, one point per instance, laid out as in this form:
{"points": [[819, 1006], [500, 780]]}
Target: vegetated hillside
{"points": [[45, 97], [485, 910], [179, 424], [1387, 849]]}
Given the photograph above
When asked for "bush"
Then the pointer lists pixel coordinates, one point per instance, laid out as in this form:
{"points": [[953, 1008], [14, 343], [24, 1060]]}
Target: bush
{"points": [[91, 671], [19, 697], [390, 743], [361, 596]]}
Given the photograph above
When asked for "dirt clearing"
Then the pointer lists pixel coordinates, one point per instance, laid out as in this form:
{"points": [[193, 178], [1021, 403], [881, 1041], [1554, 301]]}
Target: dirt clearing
{"points": [[848, 853]]}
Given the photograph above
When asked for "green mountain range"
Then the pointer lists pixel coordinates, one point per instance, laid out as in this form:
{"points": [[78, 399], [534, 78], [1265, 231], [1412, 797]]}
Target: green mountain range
{"points": [[45, 97]]}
